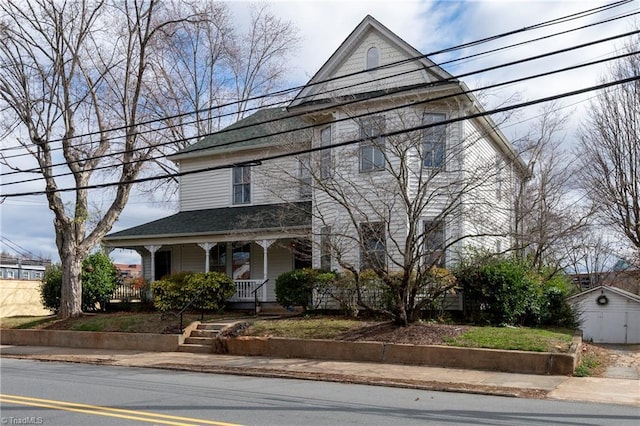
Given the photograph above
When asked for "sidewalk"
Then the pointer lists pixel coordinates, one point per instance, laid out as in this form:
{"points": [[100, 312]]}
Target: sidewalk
{"points": [[602, 390]]}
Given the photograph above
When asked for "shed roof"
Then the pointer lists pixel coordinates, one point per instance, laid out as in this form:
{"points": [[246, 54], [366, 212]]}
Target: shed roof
{"points": [[616, 290]]}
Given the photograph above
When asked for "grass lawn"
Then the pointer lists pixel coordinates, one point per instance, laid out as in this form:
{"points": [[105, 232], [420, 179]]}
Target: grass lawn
{"points": [[128, 322], [312, 328], [508, 338]]}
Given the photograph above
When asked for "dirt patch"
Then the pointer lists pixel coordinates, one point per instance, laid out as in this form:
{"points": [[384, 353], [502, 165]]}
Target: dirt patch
{"points": [[415, 334]]}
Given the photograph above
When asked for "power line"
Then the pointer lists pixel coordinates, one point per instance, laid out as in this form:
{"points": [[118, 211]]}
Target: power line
{"points": [[554, 21], [493, 86], [259, 161], [294, 115]]}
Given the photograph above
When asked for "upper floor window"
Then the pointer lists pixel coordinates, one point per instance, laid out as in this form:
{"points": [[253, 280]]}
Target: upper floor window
{"points": [[373, 58], [241, 185], [434, 141], [434, 239], [325, 154], [373, 248], [372, 150], [304, 176]]}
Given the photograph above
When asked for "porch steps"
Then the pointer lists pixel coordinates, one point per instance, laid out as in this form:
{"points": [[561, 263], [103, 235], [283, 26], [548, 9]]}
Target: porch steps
{"points": [[201, 339]]}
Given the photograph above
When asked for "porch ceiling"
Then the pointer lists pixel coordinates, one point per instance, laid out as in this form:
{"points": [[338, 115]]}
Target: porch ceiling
{"points": [[222, 221]]}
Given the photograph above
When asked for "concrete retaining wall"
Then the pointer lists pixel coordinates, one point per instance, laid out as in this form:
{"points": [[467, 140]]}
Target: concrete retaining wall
{"points": [[92, 340], [435, 356], [21, 298]]}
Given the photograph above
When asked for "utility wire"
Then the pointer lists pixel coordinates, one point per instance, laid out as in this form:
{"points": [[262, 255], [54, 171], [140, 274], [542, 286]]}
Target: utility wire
{"points": [[262, 123], [259, 161], [389, 65]]}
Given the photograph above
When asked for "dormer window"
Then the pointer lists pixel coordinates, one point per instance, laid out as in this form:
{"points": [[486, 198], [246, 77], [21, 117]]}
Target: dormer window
{"points": [[373, 58]]}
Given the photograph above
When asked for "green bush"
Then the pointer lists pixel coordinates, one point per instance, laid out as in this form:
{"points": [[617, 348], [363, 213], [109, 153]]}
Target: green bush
{"points": [[502, 290], [295, 288], [99, 279], [174, 291], [51, 288]]}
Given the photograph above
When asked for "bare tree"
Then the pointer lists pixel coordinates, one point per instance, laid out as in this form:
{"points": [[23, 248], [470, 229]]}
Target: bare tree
{"points": [[209, 73], [548, 218], [590, 252], [609, 150], [401, 206], [67, 69]]}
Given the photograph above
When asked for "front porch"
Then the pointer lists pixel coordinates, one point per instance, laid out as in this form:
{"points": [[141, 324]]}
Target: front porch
{"points": [[251, 244]]}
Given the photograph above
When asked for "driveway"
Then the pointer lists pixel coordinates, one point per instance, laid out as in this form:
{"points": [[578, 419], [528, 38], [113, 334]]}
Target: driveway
{"points": [[624, 361]]}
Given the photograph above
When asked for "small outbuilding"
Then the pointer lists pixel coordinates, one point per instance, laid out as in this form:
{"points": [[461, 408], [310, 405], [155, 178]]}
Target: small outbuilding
{"points": [[608, 315]]}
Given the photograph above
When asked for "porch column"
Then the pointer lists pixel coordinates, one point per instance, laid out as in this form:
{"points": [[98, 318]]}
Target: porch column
{"points": [[265, 244], [153, 249], [207, 248]]}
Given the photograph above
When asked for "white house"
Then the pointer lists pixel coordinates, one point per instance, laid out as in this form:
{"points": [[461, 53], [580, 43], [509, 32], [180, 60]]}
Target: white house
{"points": [[374, 151]]}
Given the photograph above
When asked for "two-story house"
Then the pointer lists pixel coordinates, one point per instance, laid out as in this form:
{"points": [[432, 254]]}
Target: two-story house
{"points": [[374, 162]]}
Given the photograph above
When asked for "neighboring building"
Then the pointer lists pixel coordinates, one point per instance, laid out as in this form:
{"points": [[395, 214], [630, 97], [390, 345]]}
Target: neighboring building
{"points": [[259, 219], [128, 272], [17, 268], [608, 315]]}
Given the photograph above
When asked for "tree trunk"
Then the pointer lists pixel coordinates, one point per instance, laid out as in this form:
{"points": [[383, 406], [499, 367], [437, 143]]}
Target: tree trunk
{"points": [[71, 300]]}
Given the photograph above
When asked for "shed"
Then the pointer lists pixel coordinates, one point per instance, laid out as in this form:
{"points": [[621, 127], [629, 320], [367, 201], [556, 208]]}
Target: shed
{"points": [[608, 315]]}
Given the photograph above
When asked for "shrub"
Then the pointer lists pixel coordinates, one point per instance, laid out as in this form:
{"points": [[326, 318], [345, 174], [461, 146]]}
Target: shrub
{"points": [[503, 290], [295, 288], [174, 291], [99, 279], [51, 288]]}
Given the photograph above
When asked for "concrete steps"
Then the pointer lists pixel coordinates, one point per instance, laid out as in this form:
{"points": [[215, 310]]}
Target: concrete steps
{"points": [[201, 339]]}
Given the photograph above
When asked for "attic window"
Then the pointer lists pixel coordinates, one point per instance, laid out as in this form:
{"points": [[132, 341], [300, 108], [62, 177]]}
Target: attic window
{"points": [[373, 58]]}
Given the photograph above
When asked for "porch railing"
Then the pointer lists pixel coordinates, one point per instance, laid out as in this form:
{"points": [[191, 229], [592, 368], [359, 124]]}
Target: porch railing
{"points": [[245, 291], [125, 292]]}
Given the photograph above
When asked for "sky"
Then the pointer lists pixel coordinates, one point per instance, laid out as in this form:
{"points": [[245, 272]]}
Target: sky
{"points": [[429, 26]]}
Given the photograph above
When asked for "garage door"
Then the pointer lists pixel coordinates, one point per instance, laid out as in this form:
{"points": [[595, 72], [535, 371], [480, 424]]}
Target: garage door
{"points": [[611, 327]]}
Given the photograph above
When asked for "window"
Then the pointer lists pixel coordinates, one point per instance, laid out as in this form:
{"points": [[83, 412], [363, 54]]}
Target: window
{"points": [[325, 154], [434, 243], [372, 151], [37, 275], [325, 248], [25, 275], [373, 246], [305, 177], [433, 144], [373, 58], [241, 185], [218, 258], [241, 268], [9, 274]]}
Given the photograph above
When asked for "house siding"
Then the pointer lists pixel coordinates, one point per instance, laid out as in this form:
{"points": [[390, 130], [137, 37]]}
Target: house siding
{"points": [[398, 75]]}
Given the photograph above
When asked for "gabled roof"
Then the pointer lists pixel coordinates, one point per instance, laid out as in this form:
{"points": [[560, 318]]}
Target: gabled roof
{"points": [[221, 221], [616, 290], [346, 49], [266, 127]]}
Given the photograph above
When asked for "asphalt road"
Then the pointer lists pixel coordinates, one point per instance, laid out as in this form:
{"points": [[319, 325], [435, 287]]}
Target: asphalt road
{"points": [[51, 393]]}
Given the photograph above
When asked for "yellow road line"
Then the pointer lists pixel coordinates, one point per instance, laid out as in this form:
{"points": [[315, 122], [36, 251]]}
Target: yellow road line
{"points": [[107, 411]]}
